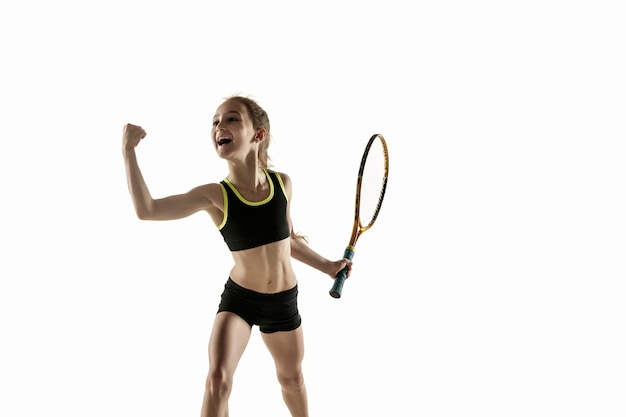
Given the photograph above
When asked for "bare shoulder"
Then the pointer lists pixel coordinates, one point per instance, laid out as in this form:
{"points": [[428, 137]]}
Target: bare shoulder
{"points": [[286, 179], [284, 176], [211, 192], [214, 198]]}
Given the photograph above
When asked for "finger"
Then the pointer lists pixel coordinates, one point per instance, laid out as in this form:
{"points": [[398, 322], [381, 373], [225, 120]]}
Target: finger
{"points": [[129, 127], [138, 129]]}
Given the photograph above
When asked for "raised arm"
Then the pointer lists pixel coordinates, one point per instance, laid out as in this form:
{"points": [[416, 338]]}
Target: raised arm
{"points": [[168, 208]]}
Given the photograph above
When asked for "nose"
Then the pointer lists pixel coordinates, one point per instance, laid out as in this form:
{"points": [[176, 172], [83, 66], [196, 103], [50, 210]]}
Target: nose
{"points": [[218, 127]]}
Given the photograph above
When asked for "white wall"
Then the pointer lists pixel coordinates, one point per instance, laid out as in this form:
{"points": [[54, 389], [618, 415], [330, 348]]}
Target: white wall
{"points": [[492, 284]]}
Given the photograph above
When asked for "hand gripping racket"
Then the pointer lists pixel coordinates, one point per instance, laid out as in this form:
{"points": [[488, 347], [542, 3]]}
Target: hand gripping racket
{"points": [[370, 190]]}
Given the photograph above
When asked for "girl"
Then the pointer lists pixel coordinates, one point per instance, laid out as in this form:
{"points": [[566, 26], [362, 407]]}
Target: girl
{"points": [[250, 207]]}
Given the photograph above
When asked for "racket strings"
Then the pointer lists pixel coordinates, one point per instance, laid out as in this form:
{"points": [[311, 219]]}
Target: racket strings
{"points": [[373, 182]]}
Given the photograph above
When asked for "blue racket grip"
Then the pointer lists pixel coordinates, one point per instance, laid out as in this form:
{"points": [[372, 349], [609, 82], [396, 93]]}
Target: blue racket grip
{"points": [[335, 291]]}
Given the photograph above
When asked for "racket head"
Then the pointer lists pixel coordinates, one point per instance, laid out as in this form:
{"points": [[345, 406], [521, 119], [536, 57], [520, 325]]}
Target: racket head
{"points": [[371, 182]]}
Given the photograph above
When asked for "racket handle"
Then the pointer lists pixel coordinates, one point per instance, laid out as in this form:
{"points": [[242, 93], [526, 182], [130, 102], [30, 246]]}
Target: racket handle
{"points": [[335, 291]]}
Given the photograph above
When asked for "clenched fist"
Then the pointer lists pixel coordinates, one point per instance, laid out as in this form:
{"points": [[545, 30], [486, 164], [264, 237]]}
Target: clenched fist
{"points": [[131, 136]]}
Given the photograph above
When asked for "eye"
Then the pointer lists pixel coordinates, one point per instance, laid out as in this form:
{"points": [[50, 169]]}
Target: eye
{"points": [[232, 119], [215, 122]]}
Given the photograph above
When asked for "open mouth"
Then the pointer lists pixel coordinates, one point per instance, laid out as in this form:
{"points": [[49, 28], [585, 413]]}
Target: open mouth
{"points": [[223, 141]]}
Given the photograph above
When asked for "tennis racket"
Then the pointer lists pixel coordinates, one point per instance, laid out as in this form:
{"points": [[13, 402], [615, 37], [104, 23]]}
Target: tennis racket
{"points": [[370, 190]]}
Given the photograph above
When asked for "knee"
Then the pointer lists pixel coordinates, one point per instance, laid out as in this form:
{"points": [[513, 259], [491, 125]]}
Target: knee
{"points": [[291, 380], [219, 383]]}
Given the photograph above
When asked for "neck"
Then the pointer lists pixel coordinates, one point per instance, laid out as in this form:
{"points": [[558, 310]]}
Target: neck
{"points": [[250, 176]]}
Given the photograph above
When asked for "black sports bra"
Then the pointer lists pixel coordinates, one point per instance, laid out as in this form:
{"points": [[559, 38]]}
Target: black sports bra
{"points": [[248, 224]]}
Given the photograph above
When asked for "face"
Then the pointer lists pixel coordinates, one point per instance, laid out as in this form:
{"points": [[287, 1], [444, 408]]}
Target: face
{"points": [[232, 129]]}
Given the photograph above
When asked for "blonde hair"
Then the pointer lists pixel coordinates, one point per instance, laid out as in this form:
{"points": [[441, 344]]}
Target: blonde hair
{"points": [[260, 120]]}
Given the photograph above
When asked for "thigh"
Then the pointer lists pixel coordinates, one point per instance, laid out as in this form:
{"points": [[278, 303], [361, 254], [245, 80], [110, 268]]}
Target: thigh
{"points": [[229, 339], [287, 349]]}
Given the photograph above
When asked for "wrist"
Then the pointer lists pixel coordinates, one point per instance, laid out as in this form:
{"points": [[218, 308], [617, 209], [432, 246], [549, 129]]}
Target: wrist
{"points": [[329, 268], [127, 151]]}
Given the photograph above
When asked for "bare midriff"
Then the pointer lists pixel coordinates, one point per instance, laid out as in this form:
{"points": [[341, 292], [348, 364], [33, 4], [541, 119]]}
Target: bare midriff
{"points": [[265, 269]]}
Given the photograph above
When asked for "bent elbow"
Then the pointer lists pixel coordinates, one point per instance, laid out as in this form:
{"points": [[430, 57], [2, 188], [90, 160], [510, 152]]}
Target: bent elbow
{"points": [[143, 213], [142, 216]]}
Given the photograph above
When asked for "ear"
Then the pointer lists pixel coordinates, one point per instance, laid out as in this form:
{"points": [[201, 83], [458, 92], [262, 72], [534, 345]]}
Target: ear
{"points": [[260, 135]]}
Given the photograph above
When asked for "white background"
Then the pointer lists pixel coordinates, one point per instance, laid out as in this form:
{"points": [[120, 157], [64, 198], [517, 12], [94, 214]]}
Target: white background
{"points": [[492, 284]]}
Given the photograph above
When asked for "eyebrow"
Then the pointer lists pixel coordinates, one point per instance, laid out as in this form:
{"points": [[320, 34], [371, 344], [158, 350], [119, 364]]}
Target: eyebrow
{"points": [[230, 111]]}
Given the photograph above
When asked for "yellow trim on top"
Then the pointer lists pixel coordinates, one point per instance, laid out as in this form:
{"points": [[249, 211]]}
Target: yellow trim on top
{"points": [[282, 186], [254, 203], [225, 207]]}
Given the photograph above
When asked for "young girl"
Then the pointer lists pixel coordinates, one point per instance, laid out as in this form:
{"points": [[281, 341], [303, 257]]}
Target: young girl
{"points": [[250, 207]]}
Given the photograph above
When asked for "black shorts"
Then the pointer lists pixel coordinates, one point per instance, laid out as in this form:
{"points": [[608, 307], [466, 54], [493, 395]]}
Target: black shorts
{"points": [[271, 312]]}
